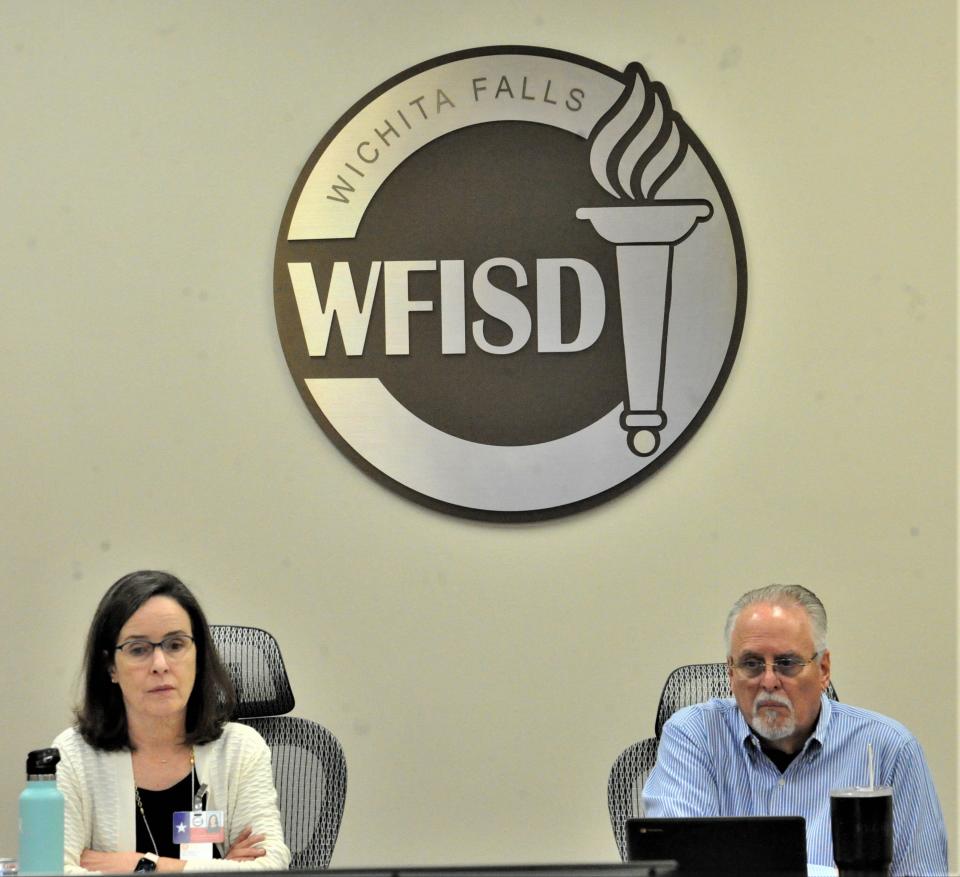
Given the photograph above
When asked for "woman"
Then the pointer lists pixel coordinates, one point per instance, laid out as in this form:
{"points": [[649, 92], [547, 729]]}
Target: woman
{"points": [[152, 733]]}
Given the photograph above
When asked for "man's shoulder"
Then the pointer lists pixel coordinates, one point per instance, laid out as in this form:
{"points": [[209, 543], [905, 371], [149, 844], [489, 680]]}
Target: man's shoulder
{"points": [[715, 725], [718, 709], [856, 716]]}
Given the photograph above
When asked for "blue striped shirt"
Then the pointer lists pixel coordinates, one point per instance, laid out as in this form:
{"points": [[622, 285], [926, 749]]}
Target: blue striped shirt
{"points": [[709, 763]]}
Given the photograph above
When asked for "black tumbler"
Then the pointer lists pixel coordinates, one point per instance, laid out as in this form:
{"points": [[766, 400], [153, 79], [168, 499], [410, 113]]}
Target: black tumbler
{"points": [[862, 822]]}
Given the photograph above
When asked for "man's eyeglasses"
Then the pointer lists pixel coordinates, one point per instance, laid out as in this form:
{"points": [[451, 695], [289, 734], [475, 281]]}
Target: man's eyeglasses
{"points": [[787, 666], [175, 647]]}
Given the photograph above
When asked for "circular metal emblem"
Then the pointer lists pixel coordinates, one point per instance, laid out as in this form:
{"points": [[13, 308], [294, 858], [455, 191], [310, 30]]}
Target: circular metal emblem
{"points": [[510, 282]]}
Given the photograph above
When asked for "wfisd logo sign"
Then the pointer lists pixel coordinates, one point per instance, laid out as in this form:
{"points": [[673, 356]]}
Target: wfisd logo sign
{"points": [[510, 282]]}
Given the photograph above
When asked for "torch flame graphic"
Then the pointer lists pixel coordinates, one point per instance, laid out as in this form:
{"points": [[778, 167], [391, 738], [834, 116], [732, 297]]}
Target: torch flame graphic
{"points": [[641, 137]]}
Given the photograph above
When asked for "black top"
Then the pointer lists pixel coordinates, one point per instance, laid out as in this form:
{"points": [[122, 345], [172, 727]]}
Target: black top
{"points": [[780, 759], [159, 808]]}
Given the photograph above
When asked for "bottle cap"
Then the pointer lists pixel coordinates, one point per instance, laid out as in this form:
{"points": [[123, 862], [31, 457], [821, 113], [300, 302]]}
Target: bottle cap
{"points": [[42, 761]]}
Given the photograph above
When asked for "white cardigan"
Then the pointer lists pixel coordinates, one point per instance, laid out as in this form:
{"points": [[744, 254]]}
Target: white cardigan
{"points": [[100, 809]]}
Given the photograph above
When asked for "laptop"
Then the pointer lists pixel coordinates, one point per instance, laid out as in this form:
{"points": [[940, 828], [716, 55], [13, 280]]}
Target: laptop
{"points": [[718, 844]]}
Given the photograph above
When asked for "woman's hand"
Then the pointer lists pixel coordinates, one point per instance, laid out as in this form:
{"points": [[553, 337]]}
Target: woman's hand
{"points": [[112, 863], [122, 863], [243, 849]]}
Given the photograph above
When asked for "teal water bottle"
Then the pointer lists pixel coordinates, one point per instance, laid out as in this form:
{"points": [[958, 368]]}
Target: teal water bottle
{"points": [[41, 816]]}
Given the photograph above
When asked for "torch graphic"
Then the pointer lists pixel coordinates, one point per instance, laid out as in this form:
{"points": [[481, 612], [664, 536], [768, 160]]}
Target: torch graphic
{"points": [[643, 139]]}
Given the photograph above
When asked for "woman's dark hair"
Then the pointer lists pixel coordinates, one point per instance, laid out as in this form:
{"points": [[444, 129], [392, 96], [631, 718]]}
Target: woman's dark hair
{"points": [[101, 716]]}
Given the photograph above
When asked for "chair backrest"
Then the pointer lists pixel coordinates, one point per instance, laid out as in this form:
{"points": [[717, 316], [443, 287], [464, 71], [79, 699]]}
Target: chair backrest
{"points": [[310, 773], [309, 768], [696, 683], [625, 786], [252, 658]]}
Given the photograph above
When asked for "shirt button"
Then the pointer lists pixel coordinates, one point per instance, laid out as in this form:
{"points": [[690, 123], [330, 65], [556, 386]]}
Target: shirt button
{"points": [[782, 782]]}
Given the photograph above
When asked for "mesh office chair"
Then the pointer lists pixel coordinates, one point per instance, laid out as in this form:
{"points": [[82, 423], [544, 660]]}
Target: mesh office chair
{"points": [[627, 776], [687, 685], [309, 768]]}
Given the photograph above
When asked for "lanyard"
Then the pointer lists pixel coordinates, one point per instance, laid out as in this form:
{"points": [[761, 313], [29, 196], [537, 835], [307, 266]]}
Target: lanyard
{"points": [[196, 798]]}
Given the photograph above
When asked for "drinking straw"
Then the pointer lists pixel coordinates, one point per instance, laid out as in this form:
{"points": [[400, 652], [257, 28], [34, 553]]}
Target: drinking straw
{"points": [[870, 765]]}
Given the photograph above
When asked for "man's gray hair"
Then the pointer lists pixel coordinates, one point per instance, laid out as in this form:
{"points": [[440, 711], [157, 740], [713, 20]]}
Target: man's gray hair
{"points": [[784, 595]]}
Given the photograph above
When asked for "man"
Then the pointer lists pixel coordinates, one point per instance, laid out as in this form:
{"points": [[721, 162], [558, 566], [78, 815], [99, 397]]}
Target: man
{"points": [[781, 745]]}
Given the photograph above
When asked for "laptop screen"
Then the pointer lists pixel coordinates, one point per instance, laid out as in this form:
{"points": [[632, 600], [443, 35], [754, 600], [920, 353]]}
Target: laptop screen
{"points": [[742, 844]]}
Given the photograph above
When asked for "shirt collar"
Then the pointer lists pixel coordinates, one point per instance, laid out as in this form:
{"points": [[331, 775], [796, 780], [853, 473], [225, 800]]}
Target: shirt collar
{"points": [[820, 730], [744, 733]]}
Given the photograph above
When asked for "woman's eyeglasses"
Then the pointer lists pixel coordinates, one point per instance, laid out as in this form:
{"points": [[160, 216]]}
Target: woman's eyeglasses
{"points": [[175, 647]]}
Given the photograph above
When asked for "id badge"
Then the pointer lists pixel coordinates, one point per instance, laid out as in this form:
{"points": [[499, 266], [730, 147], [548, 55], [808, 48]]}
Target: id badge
{"points": [[197, 831]]}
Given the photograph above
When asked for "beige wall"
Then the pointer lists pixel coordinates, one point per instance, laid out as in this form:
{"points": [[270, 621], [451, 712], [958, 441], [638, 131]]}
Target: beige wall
{"points": [[481, 678]]}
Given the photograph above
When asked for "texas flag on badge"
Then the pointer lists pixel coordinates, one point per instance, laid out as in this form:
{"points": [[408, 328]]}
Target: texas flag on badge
{"points": [[198, 826]]}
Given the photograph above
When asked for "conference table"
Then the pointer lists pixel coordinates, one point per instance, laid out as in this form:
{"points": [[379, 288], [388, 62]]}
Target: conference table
{"points": [[648, 868]]}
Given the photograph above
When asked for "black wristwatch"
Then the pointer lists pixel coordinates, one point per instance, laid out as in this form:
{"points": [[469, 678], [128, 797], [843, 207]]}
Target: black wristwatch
{"points": [[147, 864]]}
